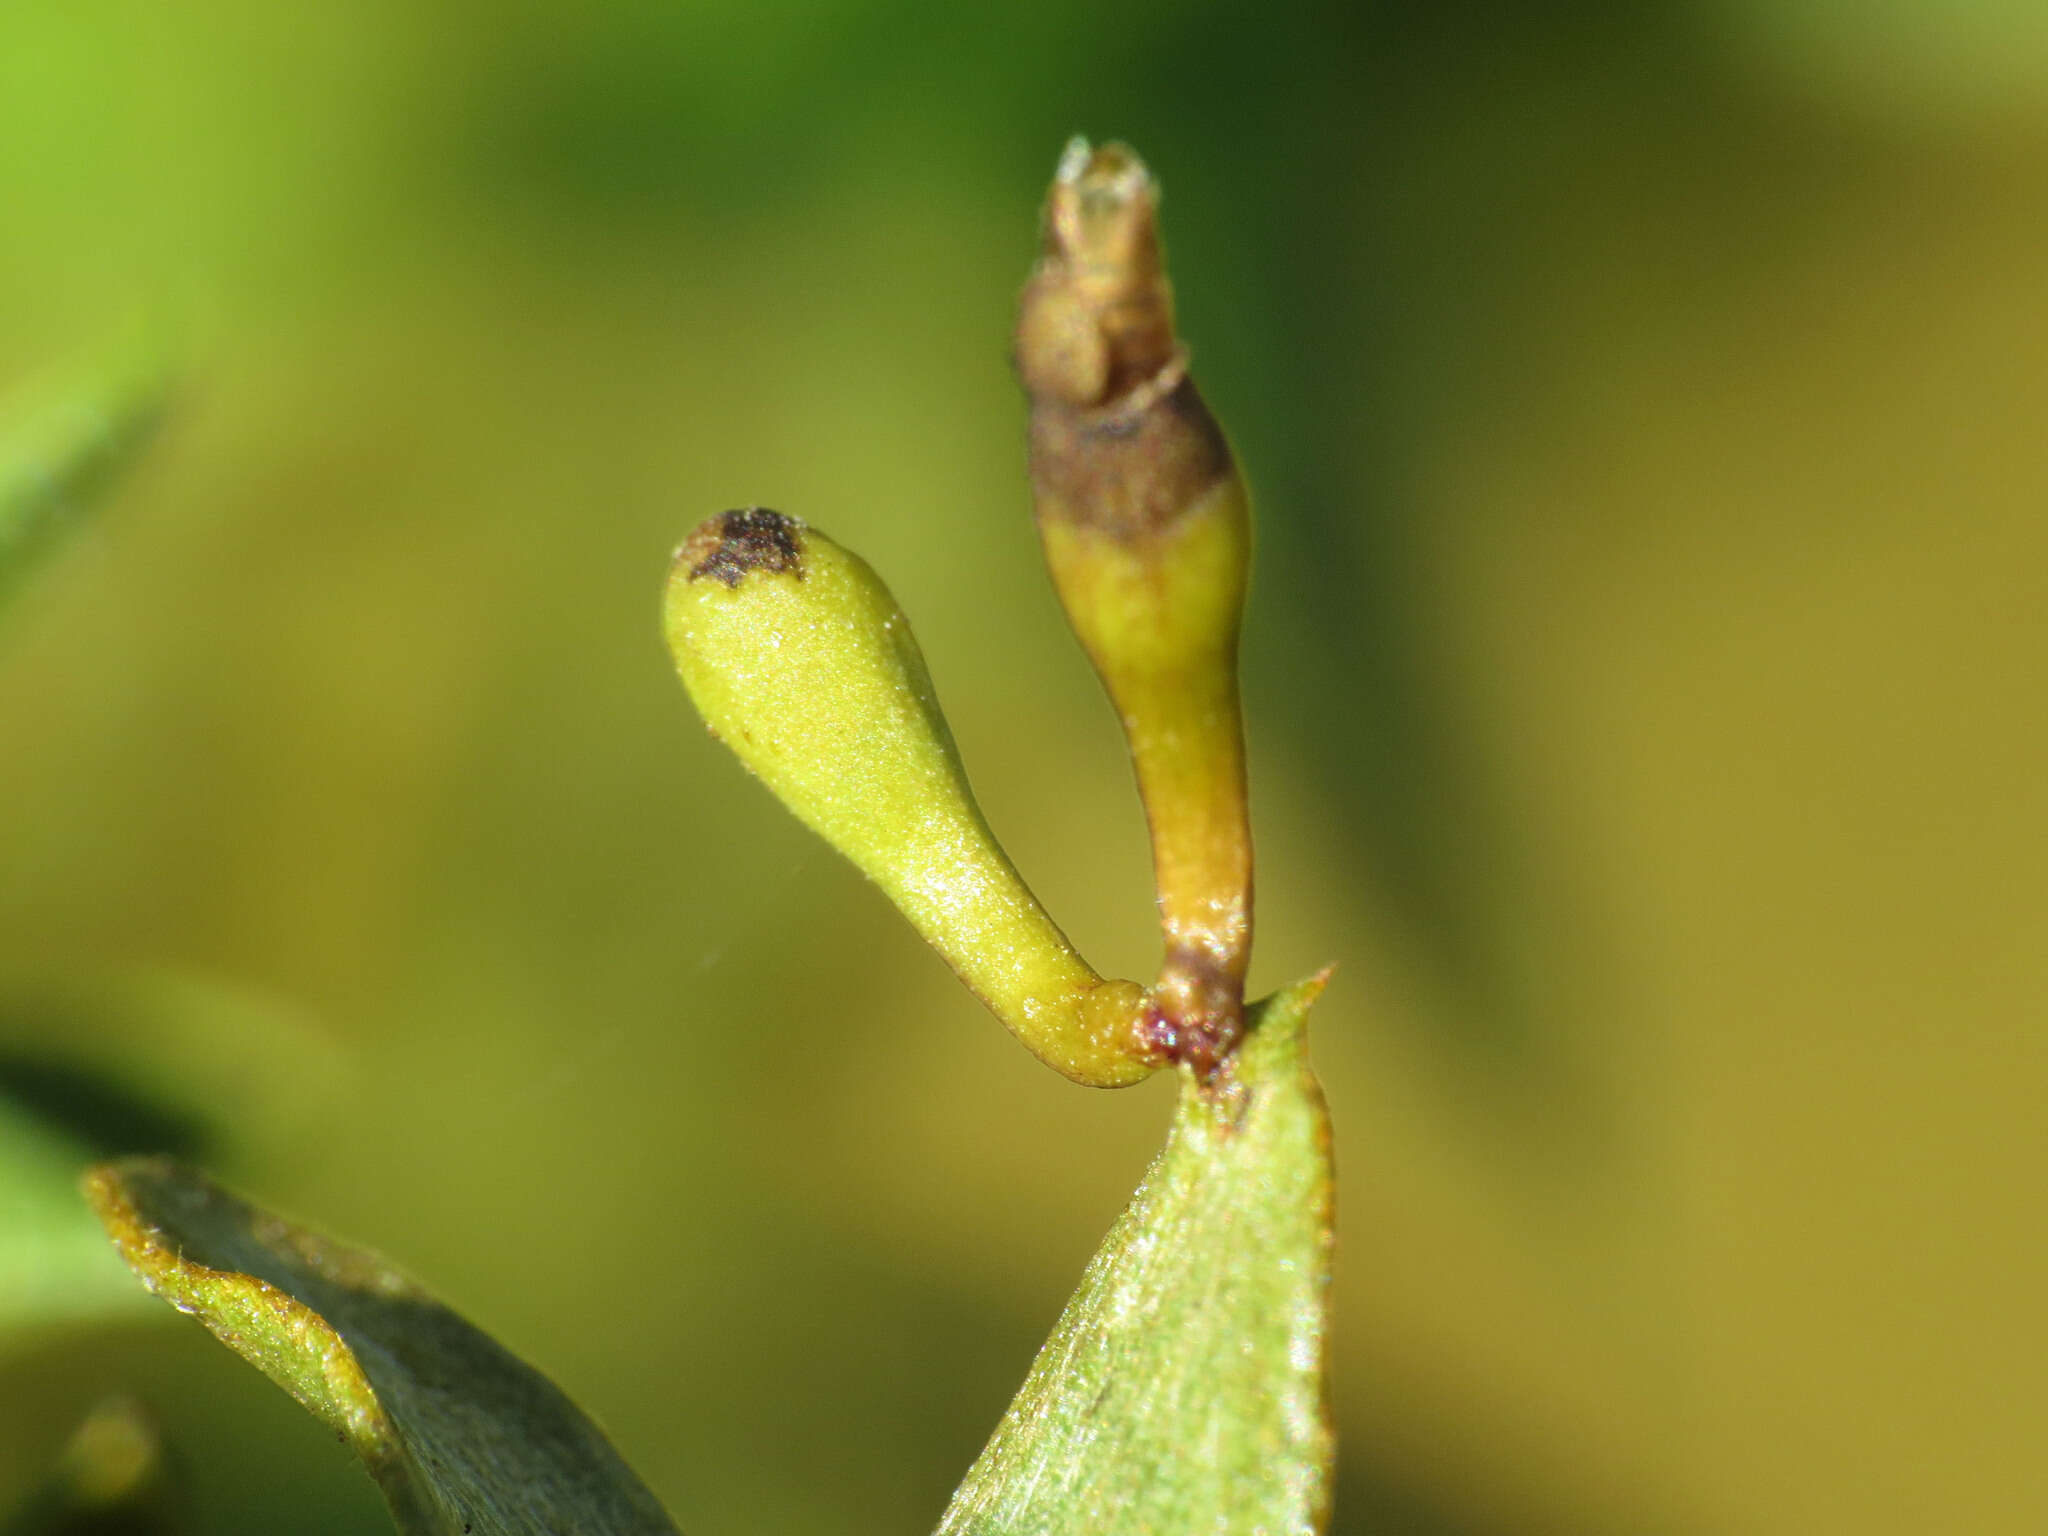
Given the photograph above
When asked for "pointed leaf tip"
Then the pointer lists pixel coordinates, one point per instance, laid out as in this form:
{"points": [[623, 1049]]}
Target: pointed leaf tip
{"points": [[1183, 1388]]}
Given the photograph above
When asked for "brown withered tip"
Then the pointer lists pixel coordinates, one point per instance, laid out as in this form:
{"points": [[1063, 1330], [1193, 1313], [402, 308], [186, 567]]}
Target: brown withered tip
{"points": [[1101, 216], [1096, 324], [728, 546]]}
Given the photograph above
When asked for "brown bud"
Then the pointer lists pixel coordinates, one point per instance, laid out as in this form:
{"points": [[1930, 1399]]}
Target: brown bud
{"points": [[1146, 528]]}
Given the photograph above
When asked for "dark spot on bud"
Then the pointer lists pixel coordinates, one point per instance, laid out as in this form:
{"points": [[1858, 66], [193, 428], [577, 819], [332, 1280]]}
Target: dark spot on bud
{"points": [[731, 544]]}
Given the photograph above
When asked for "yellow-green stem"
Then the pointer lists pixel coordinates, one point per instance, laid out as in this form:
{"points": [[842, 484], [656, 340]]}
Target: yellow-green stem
{"points": [[1159, 620]]}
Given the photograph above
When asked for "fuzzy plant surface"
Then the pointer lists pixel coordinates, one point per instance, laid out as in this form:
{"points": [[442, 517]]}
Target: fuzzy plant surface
{"points": [[1183, 1388]]}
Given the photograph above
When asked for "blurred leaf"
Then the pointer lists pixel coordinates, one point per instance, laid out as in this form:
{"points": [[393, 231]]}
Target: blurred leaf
{"points": [[461, 1436], [146, 1061], [60, 453], [113, 1479], [1183, 1387], [96, 1109], [164, 1060], [54, 1264]]}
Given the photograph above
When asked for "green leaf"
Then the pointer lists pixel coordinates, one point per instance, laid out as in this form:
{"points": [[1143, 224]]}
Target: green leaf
{"points": [[1182, 1390], [59, 453], [461, 1436]]}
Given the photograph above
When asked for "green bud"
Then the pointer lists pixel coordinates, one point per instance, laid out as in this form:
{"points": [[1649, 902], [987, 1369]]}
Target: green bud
{"points": [[800, 660], [1147, 532]]}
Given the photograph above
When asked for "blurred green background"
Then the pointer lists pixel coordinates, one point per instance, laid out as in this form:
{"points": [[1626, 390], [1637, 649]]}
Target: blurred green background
{"points": [[1645, 675]]}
